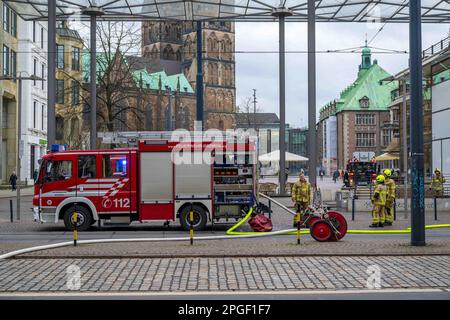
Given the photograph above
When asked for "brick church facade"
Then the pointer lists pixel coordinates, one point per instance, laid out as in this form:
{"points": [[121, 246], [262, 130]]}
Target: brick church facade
{"points": [[175, 44]]}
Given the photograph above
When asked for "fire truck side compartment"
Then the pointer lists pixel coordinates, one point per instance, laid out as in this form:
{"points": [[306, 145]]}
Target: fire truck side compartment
{"points": [[156, 186]]}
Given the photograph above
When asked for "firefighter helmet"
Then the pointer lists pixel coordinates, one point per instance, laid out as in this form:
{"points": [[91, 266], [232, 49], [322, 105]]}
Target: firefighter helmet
{"points": [[387, 172], [381, 179], [437, 170]]}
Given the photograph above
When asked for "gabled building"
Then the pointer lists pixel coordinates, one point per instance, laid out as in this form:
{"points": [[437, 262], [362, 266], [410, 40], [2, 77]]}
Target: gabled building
{"points": [[354, 122]]}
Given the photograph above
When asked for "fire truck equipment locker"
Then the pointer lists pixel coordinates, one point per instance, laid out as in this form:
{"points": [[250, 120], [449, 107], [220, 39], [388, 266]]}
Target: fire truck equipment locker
{"points": [[156, 186]]}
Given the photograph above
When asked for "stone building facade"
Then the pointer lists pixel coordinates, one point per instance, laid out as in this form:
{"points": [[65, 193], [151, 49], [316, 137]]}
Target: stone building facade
{"points": [[69, 103], [177, 42], [355, 122], [9, 46]]}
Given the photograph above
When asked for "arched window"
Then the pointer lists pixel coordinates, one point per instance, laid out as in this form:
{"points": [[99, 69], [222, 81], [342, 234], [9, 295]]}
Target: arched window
{"points": [[168, 53], [154, 53]]}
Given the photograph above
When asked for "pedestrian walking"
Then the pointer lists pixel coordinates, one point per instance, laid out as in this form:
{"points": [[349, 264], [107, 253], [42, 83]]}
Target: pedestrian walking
{"points": [[13, 181], [321, 172], [336, 175]]}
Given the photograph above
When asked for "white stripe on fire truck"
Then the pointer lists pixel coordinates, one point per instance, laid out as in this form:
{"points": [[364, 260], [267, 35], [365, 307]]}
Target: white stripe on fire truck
{"points": [[101, 180]]}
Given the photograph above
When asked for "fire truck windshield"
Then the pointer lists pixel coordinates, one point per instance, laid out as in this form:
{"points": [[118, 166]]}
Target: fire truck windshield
{"points": [[56, 170]]}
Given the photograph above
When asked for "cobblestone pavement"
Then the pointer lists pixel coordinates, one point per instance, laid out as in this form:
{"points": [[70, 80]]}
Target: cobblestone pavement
{"points": [[223, 274]]}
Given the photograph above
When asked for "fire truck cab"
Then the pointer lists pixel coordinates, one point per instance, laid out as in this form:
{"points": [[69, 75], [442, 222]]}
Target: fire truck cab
{"points": [[158, 180]]}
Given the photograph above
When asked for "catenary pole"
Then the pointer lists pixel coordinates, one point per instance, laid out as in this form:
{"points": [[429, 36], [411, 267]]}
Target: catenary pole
{"points": [[416, 125], [312, 134], [51, 76]]}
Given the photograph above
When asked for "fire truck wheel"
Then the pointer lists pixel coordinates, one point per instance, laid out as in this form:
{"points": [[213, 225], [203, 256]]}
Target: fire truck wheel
{"points": [[84, 218], [200, 217]]}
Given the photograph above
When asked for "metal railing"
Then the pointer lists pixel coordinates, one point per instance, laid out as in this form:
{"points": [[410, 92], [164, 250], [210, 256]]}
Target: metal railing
{"points": [[437, 47]]}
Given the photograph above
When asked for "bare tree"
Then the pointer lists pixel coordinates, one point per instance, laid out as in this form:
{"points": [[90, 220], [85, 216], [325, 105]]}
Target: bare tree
{"points": [[117, 92], [248, 111]]}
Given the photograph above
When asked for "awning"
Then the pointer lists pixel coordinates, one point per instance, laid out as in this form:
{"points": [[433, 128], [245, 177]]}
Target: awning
{"points": [[275, 156], [387, 156]]}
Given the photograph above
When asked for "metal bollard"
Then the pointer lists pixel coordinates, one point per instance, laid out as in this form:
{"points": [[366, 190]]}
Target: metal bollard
{"points": [[435, 208], [191, 226], [75, 233], [11, 213], [395, 210], [270, 207], [353, 208]]}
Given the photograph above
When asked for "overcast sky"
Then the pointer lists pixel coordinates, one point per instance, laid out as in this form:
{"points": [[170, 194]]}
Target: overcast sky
{"points": [[335, 71]]}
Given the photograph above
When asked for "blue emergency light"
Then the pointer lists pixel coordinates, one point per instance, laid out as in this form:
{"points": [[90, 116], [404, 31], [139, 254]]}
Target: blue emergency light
{"points": [[58, 148]]}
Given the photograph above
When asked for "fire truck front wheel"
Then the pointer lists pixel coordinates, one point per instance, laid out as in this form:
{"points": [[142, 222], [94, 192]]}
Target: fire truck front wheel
{"points": [[200, 217], [84, 218]]}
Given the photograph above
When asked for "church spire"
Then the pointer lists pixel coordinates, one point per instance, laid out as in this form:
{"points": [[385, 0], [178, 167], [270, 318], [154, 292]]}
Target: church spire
{"points": [[366, 57]]}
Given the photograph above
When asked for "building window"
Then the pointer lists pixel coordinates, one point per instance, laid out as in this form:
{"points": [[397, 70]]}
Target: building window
{"points": [[42, 38], [60, 91], [34, 31], [13, 63], [386, 137], [14, 24], [365, 139], [34, 114], [365, 119], [75, 93], [43, 75], [6, 66], [76, 59], [6, 17], [42, 118], [60, 56], [59, 126], [364, 102], [34, 70]]}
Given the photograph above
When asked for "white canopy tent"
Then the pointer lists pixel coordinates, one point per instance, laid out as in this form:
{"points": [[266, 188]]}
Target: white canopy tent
{"points": [[274, 156]]}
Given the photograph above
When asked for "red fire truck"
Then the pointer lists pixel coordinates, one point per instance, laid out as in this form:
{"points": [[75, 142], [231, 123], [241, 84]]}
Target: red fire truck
{"points": [[158, 180], [361, 172]]}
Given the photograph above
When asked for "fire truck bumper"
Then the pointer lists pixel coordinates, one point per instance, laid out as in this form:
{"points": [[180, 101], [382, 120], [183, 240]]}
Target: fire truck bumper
{"points": [[45, 215]]}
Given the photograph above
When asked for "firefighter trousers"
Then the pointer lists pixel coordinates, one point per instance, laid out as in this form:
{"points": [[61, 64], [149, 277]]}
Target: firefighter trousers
{"points": [[300, 207], [389, 213], [378, 214]]}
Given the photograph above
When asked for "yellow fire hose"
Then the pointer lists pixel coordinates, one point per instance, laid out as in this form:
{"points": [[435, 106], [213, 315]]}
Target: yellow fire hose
{"points": [[231, 231]]}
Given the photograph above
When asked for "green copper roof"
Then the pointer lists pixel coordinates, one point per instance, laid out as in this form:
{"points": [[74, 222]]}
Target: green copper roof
{"points": [[149, 80], [367, 85]]}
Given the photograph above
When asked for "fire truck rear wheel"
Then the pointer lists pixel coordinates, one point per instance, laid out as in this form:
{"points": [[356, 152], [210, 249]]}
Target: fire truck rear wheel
{"points": [[84, 218], [200, 217]]}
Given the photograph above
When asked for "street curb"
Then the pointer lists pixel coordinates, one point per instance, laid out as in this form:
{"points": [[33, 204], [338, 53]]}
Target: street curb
{"points": [[190, 256]]}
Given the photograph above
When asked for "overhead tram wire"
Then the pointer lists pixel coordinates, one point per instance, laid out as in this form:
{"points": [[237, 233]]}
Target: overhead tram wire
{"points": [[329, 51]]}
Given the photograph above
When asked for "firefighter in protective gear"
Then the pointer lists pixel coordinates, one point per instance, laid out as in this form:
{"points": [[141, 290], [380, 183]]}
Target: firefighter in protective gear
{"points": [[301, 195], [390, 198], [437, 183], [378, 201]]}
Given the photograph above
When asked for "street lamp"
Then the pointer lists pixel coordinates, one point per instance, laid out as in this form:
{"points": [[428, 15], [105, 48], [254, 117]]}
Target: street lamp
{"points": [[19, 78]]}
